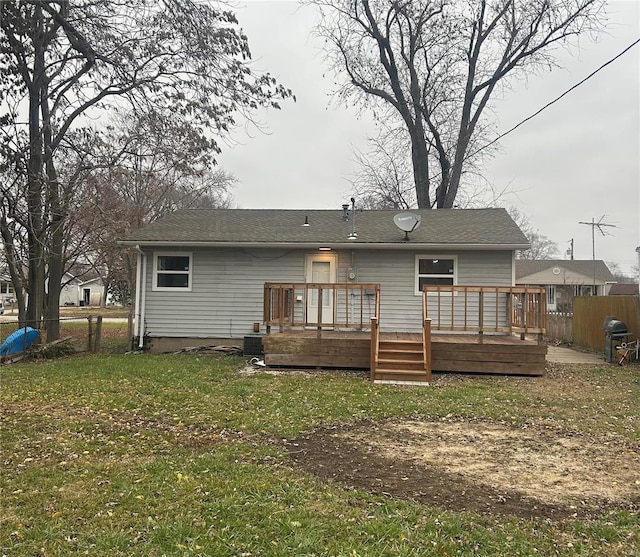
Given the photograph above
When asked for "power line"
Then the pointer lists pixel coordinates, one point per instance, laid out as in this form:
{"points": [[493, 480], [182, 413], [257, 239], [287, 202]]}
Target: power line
{"points": [[634, 43], [623, 52]]}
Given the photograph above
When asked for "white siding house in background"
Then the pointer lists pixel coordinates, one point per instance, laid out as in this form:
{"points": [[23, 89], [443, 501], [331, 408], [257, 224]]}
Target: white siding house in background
{"points": [[201, 273], [81, 291], [565, 279], [7, 293]]}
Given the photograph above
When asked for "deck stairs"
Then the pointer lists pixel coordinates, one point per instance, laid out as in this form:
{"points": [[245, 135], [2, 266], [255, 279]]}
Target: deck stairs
{"points": [[400, 361]]}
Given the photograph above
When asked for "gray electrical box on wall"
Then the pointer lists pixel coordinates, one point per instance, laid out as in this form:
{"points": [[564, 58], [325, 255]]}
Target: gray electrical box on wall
{"points": [[352, 274]]}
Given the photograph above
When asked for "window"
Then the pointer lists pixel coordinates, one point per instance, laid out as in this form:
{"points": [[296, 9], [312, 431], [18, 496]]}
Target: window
{"points": [[172, 271], [551, 295], [435, 270]]}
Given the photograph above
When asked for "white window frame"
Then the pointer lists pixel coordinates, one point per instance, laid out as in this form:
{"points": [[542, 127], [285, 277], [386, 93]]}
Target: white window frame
{"points": [[551, 295], [417, 274], [6, 288], [189, 273]]}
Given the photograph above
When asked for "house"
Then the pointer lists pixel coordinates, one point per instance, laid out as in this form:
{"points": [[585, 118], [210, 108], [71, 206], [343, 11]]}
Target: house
{"points": [[223, 275], [565, 279], [7, 292], [86, 289]]}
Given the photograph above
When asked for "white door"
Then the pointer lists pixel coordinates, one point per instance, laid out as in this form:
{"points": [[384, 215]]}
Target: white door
{"points": [[320, 269]]}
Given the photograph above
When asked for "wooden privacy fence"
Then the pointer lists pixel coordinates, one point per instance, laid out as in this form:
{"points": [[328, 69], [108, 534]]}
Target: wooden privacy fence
{"points": [[320, 305], [560, 326], [500, 309], [589, 313]]}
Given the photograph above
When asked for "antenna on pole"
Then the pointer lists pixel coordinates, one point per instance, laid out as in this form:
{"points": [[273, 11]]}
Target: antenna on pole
{"points": [[599, 225]]}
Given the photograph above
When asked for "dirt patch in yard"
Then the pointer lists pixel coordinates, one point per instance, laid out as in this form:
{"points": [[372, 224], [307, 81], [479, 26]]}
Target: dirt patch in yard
{"points": [[478, 466], [482, 466]]}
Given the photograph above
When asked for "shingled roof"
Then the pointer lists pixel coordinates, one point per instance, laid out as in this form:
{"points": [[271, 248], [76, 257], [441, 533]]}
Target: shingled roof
{"points": [[470, 228], [526, 267]]}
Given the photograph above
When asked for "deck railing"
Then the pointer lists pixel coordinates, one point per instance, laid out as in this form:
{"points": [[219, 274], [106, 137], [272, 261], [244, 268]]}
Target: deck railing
{"points": [[320, 305], [502, 309]]}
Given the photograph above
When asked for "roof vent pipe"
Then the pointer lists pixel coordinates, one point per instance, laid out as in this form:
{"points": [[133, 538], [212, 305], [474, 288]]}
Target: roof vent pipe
{"points": [[353, 235], [345, 212]]}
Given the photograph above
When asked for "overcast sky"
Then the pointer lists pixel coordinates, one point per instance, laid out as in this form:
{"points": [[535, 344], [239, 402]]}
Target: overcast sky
{"points": [[578, 160]]}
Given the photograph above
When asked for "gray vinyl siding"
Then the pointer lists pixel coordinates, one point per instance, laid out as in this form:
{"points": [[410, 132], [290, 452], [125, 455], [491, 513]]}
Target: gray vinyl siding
{"points": [[401, 306], [226, 295]]}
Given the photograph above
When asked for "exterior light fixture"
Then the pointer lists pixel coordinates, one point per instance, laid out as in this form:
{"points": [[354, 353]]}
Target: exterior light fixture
{"points": [[324, 249], [306, 221]]}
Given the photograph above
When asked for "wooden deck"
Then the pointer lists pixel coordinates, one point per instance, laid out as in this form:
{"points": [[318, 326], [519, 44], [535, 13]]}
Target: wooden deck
{"points": [[488, 354]]}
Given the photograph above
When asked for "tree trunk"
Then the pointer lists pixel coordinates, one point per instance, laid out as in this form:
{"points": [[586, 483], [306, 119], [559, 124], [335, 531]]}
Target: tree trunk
{"points": [[35, 234], [57, 218], [420, 160]]}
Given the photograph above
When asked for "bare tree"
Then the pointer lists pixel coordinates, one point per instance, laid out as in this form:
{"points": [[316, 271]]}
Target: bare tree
{"points": [[437, 65], [383, 180], [123, 197], [619, 275], [541, 246], [65, 63]]}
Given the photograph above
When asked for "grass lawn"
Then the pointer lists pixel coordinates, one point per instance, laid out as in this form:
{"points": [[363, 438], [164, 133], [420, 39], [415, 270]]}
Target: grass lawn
{"points": [[109, 311], [142, 455]]}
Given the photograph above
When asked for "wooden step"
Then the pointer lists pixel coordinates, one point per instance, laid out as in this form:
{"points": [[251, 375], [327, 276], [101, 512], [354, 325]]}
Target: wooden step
{"points": [[414, 356], [401, 362], [416, 349], [396, 363], [400, 343]]}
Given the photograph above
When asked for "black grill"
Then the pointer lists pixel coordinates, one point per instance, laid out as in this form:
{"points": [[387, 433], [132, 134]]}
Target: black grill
{"points": [[615, 331], [613, 326]]}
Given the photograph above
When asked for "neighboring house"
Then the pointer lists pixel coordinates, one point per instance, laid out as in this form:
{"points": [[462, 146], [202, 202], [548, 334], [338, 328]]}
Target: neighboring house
{"points": [[202, 273], [564, 279], [624, 289], [7, 292], [85, 290]]}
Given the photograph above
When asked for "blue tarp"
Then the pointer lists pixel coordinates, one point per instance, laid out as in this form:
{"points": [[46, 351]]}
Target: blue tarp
{"points": [[18, 341]]}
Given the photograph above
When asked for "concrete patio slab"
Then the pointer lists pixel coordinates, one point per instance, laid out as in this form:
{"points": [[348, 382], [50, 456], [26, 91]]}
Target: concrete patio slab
{"points": [[564, 355]]}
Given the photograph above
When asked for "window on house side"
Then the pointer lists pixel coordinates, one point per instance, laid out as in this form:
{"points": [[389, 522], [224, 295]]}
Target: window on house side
{"points": [[551, 294], [172, 271], [436, 270]]}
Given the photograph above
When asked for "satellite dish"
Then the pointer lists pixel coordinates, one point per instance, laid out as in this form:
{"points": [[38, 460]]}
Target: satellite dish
{"points": [[407, 222]]}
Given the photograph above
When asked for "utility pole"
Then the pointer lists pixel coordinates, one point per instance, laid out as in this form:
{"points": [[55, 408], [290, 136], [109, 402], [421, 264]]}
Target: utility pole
{"points": [[638, 252], [599, 225], [570, 250]]}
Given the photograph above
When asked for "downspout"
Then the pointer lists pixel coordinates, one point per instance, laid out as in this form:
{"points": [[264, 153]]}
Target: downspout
{"points": [[141, 290]]}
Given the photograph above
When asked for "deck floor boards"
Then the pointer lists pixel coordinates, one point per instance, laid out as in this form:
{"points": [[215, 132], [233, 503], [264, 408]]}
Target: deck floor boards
{"points": [[435, 337]]}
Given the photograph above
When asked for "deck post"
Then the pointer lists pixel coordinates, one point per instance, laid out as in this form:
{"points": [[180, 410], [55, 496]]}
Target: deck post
{"points": [[523, 313], [319, 311], [426, 346], [480, 316], [510, 310], [375, 334], [542, 315]]}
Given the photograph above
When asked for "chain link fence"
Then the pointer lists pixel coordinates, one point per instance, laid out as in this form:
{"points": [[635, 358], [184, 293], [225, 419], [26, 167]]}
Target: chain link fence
{"points": [[82, 334]]}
